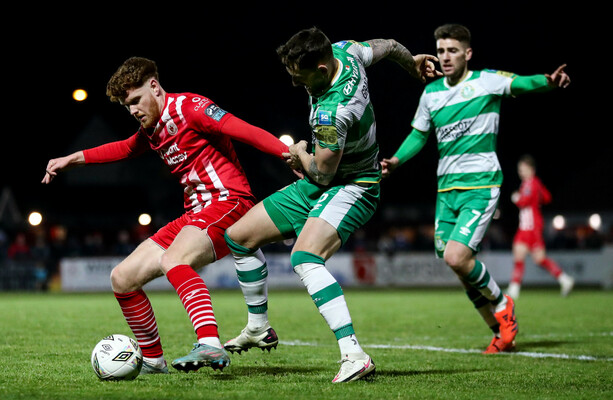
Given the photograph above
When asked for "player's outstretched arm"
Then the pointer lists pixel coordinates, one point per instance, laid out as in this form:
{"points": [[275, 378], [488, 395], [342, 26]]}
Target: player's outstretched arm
{"points": [[56, 165], [420, 66]]}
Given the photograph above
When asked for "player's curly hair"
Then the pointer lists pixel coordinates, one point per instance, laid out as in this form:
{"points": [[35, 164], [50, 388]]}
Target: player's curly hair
{"points": [[453, 31], [306, 49], [133, 73]]}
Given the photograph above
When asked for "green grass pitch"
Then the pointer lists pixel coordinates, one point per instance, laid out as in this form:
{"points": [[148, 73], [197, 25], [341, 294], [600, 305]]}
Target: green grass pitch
{"points": [[426, 345]]}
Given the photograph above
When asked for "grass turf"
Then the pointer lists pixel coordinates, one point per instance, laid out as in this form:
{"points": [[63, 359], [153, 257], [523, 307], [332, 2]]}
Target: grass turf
{"points": [[425, 343]]}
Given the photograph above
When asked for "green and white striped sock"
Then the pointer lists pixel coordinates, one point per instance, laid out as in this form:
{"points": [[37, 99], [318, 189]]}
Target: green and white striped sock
{"points": [[252, 277], [328, 297], [480, 279]]}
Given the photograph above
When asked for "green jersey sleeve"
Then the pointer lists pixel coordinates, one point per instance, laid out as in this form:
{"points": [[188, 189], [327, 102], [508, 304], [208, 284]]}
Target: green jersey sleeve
{"points": [[411, 145], [529, 84]]}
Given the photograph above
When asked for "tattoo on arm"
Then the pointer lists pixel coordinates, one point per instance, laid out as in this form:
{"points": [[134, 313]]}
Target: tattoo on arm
{"points": [[320, 177], [391, 49]]}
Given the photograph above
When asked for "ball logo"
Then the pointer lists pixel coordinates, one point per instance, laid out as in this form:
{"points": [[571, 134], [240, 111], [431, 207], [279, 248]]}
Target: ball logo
{"points": [[123, 356]]}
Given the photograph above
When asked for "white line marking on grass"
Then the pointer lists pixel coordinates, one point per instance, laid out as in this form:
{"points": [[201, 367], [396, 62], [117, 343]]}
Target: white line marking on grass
{"points": [[465, 351]]}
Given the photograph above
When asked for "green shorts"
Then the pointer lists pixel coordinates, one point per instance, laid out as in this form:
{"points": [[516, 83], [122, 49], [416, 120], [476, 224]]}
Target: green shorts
{"points": [[463, 216], [345, 207]]}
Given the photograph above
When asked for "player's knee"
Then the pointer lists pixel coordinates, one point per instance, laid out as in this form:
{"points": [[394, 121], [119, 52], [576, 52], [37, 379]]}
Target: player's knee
{"points": [[455, 260], [168, 262], [119, 280], [236, 246], [304, 262]]}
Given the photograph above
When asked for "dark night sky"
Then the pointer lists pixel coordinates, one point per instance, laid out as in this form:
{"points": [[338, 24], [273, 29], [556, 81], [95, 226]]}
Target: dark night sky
{"points": [[231, 59]]}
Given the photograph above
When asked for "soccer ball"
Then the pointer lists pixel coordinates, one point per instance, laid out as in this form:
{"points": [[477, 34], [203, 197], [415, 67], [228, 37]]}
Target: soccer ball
{"points": [[117, 357]]}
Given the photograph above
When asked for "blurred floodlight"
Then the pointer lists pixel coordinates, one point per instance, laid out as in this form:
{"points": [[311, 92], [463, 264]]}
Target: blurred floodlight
{"points": [[595, 221], [79, 95], [559, 222], [35, 218], [144, 219], [287, 139]]}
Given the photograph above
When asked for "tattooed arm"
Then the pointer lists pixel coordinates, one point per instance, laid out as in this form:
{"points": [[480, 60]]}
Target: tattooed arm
{"points": [[420, 66], [321, 166]]}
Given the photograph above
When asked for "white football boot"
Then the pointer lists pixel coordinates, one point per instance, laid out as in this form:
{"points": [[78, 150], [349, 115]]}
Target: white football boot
{"points": [[354, 366]]}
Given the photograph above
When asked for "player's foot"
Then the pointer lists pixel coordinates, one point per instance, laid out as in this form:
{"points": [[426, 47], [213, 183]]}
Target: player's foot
{"points": [[497, 346], [508, 322], [353, 367], [513, 290], [264, 338], [566, 284], [150, 368], [202, 355]]}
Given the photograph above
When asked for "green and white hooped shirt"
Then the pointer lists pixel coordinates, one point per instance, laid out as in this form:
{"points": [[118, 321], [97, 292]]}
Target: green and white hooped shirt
{"points": [[343, 117], [465, 119]]}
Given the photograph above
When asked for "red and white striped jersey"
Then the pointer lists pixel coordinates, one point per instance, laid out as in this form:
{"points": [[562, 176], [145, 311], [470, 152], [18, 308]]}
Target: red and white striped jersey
{"points": [[193, 137], [532, 194], [188, 138]]}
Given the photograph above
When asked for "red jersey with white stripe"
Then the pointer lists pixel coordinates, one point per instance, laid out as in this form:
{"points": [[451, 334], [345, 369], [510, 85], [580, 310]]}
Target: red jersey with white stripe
{"points": [[532, 194], [193, 137], [188, 138]]}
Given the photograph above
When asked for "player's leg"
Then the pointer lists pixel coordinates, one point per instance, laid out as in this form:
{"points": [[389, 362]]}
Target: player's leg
{"points": [[476, 209], [197, 244], [127, 280], [445, 224], [566, 282], [341, 211], [244, 243], [520, 251]]}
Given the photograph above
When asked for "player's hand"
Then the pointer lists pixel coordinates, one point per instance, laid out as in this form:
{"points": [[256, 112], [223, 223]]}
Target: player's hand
{"points": [[292, 158], [559, 78], [56, 165], [424, 64], [388, 165]]}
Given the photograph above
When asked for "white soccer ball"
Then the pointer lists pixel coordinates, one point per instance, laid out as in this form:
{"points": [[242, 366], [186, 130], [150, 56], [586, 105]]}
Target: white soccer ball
{"points": [[117, 357]]}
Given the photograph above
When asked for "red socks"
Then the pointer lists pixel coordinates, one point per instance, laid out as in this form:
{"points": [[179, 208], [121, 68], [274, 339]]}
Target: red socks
{"points": [[518, 272], [195, 298], [551, 267], [139, 315]]}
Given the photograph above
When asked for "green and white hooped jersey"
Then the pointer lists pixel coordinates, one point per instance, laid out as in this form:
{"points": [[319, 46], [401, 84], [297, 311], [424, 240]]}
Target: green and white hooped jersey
{"points": [[465, 119], [343, 117]]}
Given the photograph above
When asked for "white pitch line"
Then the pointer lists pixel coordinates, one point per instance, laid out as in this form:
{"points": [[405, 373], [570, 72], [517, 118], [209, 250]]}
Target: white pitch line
{"points": [[465, 351]]}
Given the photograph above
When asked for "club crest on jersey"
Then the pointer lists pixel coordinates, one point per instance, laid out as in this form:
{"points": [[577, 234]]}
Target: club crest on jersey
{"points": [[467, 91], [171, 128], [215, 112]]}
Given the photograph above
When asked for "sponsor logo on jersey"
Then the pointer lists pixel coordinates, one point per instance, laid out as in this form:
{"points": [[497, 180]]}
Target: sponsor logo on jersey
{"points": [[173, 155], [215, 112], [201, 102], [355, 75], [454, 131], [324, 117]]}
